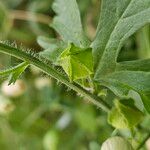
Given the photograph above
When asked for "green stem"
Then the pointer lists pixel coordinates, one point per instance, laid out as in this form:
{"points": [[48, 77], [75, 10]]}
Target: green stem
{"points": [[143, 142], [29, 16], [53, 73], [115, 132]]}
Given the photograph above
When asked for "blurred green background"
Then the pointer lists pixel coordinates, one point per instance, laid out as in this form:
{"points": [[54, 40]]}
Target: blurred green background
{"points": [[45, 115]]}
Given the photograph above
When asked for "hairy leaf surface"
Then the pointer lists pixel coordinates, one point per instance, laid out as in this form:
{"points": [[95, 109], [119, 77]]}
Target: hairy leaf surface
{"points": [[118, 21], [68, 22]]}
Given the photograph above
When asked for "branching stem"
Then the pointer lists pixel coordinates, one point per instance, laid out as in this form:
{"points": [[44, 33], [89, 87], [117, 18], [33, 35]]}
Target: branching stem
{"points": [[9, 71], [53, 73]]}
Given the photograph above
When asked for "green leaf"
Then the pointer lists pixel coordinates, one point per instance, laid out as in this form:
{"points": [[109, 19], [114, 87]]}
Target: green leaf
{"points": [[124, 114], [15, 72], [118, 21], [136, 65], [116, 143], [77, 62], [121, 82], [52, 48], [68, 22]]}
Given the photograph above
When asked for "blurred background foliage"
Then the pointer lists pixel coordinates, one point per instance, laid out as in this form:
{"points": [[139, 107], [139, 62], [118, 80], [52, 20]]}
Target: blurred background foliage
{"points": [[45, 115]]}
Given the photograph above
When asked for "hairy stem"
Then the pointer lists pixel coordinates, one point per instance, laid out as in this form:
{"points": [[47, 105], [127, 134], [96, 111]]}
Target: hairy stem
{"points": [[53, 73]]}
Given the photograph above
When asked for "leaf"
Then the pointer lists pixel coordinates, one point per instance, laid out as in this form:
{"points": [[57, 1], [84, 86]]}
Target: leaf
{"points": [[118, 21], [14, 72], [124, 114], [136, 65], [76, 62], [68, 22], [121, 82], [116, 143], [52, 48]]}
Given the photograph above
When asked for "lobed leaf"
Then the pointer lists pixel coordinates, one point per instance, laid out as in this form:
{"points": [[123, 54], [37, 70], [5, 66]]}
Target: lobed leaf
{"points": [[118, 21], [68, 22]]}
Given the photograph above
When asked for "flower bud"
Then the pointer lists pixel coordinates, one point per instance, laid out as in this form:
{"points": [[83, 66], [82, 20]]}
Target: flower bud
{"points": [[13, 90]]}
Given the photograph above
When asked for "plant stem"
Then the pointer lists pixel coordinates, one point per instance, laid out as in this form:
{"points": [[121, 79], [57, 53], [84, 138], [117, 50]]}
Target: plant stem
{"points": [[53, 73], [115, 132], [143, 142], [29, 16]]}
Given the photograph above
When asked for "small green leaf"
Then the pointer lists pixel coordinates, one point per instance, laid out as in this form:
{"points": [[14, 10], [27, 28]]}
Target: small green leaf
{"points": [[14, 72], [68, 22], [76, 62], [116, 143], [124, 114]]}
